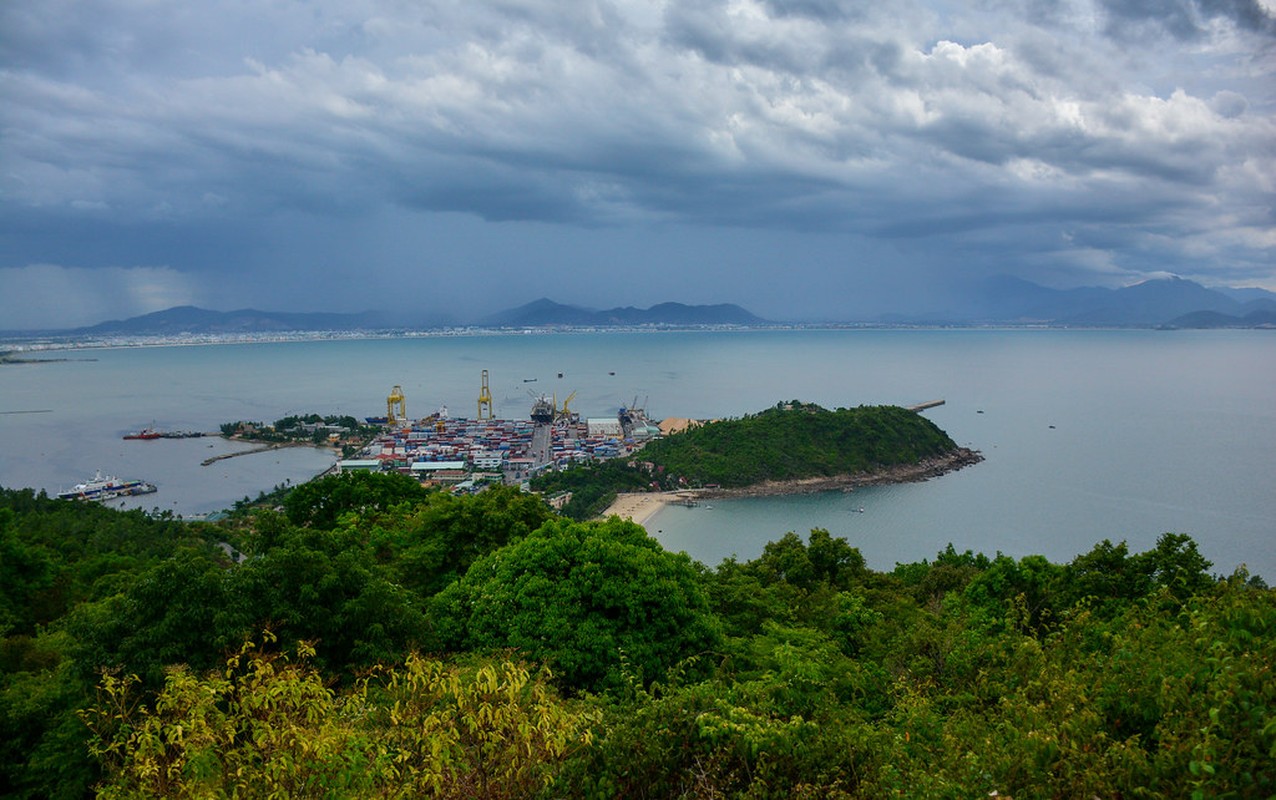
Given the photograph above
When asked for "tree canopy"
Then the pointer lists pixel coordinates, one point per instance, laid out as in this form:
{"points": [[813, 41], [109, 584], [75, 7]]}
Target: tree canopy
{"points": [[790, 441], [428, 645], [590, 599], [798, 440], [319, 503]]}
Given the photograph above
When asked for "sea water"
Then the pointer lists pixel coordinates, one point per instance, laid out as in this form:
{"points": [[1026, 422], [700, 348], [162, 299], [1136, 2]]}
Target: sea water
{"points": [[1087, 434]]}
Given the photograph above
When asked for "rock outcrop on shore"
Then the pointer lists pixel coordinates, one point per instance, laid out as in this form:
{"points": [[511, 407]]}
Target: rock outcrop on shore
{"points": [[640, 507], [900, 473]]}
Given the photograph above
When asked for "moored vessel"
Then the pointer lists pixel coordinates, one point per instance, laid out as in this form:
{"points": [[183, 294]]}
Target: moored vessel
{"points": [[106, 487], [542, 410]]}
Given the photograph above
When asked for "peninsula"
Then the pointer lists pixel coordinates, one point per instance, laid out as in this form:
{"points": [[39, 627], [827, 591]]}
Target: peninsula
{"points": [[791, 448]]}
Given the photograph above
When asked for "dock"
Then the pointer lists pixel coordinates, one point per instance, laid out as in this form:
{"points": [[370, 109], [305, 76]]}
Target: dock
{"points": [[263, 449], [926, 405]]}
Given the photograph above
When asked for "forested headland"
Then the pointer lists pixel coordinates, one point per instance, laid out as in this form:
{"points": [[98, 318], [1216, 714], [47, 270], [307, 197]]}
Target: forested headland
{"points": [[378, 640], [790, 447]]}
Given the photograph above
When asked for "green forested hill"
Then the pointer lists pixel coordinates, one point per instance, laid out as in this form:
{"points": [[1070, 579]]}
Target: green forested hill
{"points": [[797, 440], [789, 442], [408, 645]]}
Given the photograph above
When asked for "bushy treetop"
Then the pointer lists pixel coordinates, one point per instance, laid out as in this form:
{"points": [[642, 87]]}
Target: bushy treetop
{"points": [[588, 599]]}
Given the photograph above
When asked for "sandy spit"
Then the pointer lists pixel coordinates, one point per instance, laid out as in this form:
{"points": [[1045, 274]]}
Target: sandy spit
{"points": [[903, 473], [642, 506]]}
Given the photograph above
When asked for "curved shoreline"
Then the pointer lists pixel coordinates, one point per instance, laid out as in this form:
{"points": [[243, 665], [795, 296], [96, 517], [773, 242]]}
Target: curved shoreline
{"points": [[901, 473], [639, 507], [642, 506]]}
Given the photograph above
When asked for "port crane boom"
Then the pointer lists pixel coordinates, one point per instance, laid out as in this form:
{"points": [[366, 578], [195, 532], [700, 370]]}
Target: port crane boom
{"points": [[565, 413], [485, 400], [396, 406]]}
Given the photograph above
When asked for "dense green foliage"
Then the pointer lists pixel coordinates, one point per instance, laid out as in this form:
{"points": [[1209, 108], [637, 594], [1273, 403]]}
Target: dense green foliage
{"points": [[55, 554], [271, 727], [62, 560], [350, 433], [788, 442], [589, 598], [593, 487], [796, 440], [580, 660], [319, 503]]}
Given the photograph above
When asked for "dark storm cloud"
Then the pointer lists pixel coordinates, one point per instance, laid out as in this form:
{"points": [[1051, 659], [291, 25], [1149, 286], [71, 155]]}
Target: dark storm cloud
{"points": [[315, 139], [1185, 19], [824, 10]]}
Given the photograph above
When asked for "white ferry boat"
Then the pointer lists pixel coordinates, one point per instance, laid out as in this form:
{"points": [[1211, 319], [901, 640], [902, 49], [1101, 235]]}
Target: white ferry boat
{"points": [[106, 487]]}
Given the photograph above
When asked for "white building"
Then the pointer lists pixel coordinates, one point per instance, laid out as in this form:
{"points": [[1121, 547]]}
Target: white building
{"points": [[427, 468], [364, 464], [488, 461], [603, 426]]}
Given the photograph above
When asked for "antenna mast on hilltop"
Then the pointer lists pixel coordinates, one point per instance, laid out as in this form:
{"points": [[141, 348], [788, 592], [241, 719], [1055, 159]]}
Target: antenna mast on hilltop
{"points": [[485, 400]]}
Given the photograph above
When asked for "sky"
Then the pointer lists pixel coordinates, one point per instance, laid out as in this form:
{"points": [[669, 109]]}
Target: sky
{"points": [[806, 159]]}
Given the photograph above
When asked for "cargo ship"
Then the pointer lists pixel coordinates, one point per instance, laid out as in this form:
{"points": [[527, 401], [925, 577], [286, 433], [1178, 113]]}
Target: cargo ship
{"points": [[543, 410], [151, 433], [106, 487]]}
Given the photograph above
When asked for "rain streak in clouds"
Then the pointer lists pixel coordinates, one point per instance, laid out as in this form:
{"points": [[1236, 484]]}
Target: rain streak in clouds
{"points": [[807, 159]]}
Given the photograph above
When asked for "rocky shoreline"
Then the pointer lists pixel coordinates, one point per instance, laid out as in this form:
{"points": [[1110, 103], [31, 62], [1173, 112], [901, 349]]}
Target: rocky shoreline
{"points": [[902, 473]]}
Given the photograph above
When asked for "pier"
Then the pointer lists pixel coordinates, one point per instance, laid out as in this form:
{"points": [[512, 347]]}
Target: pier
{"points": [[926, 405], [263, 449]]}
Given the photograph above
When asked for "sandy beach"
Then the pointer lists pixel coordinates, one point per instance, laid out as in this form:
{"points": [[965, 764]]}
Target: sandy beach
{"points": [[901, 473], [641, 506]]}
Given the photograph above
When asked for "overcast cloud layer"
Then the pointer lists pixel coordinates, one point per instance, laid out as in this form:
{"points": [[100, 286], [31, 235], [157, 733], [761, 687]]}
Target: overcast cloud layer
{"points": [[806, 159]]}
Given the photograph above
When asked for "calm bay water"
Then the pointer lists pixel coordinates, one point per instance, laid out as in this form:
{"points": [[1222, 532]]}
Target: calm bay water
{"points": [[1087, 434]]}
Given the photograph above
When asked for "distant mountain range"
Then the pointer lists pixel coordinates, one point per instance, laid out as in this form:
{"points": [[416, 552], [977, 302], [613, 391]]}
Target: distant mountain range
{"points": [[545, 312], [1169, 302], [189, 319], [1214, 319], [540, 313]]}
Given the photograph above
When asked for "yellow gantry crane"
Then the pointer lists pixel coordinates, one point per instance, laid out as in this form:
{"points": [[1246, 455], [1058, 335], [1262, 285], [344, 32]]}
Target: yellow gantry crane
{"points": [[564, 413], [396, 409], [485, 400]]}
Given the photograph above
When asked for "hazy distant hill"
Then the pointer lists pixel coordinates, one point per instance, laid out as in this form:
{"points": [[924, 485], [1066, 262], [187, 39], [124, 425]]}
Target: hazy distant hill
{"points": [[540, 312], [1155, 302], [547, 312], [1146, 304], [189, 319], [1249, 295], [1261, 318], [193, 320], [1171, 302]]}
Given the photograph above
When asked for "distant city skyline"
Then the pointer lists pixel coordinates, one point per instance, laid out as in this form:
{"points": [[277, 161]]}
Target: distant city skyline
{"points": [[806, 160]]}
